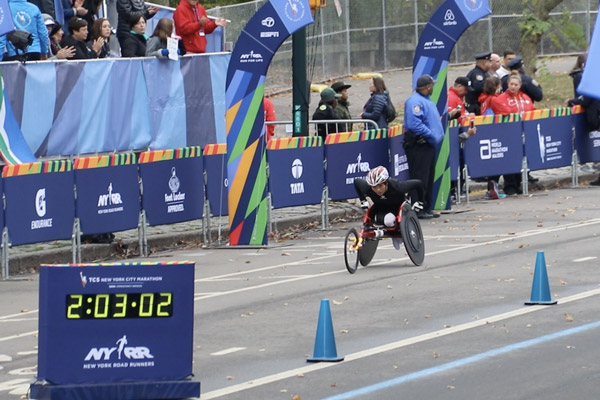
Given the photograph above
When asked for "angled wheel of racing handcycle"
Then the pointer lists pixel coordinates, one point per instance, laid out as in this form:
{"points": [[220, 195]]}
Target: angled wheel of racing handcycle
{"points": [[360, 246]]}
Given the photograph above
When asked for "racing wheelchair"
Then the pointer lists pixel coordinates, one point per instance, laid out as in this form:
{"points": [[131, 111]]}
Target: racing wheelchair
{"points": [[360, 246]]}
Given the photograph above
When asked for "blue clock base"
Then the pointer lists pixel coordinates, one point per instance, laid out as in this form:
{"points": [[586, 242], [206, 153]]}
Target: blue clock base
{"points": [[117, 391]]}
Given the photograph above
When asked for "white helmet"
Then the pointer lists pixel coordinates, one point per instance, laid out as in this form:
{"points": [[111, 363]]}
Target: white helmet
{"points": [[377, 175]]}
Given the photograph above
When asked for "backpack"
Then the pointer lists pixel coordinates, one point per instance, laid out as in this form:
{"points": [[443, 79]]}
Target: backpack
{"points": [[390, 110]]}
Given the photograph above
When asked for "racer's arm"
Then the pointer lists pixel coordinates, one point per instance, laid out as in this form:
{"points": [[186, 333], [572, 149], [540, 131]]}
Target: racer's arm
{"points": [[411, 186], [362, 187]]}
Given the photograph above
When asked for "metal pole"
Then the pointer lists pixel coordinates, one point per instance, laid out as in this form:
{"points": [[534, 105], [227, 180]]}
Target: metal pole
{"points": [[348, 66], [300, 84]]}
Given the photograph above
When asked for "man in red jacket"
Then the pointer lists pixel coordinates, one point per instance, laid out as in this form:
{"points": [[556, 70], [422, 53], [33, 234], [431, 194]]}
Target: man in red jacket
{"points": [[192, 24]]}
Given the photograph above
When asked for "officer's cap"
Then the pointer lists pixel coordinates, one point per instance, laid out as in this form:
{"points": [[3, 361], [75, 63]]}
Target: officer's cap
{"points": [[515, 63], [339, 86], [462, 80], [484, 56]]}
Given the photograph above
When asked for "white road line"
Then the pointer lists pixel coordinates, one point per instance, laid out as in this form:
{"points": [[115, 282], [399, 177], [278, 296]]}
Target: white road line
{"points": [[27, 353], [18, 320], [19, 314], [227, 351], [17, 336], [584, 259], [390, 346], [5, 358]]}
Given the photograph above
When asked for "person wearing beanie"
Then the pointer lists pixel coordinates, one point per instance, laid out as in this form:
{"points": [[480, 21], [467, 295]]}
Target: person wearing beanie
{"points": [[325, 111], [342, 108]]}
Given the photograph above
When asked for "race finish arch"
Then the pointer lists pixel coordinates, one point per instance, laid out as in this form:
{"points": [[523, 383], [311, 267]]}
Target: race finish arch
{"points": [[436, 42], [245, 122]]}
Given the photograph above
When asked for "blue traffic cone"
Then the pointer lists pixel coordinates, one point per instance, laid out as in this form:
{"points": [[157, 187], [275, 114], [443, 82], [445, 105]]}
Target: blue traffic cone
{"points": [[325, 341], [540, 289]]}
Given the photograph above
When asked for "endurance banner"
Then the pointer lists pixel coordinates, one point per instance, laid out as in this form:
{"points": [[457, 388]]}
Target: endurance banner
{"points": [[436, 42], [245, 118]]}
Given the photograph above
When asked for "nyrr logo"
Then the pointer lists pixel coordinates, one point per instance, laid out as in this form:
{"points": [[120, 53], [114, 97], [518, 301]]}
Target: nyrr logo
{"points": [[354, 168], [297, 170], [434, 45], [251, 57], [122, 352], [110, 202]]}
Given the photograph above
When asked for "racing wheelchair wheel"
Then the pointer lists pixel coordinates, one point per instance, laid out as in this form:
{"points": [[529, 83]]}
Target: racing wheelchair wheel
{"points": [[351, 251]]}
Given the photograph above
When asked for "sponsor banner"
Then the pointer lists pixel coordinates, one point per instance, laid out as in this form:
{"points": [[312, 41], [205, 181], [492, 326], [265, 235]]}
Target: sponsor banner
{"points": [[104, 323], [173, 185], [454, 159], [349, 156], [40, 203], [548, 138], [587, 143], [496, 149], [217, 184], [108, 196], [296, 174], [1, 196], [398, 167]]}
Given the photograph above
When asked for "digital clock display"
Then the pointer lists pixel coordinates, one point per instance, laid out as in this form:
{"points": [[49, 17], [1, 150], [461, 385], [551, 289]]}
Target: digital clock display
{"points": [[119, 305]]}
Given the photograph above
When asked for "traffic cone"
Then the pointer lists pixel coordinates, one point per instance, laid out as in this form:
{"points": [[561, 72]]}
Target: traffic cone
{"points": [[325, 341], [540, 289]]}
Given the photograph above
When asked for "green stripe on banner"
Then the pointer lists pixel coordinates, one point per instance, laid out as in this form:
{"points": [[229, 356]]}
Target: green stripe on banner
{"points": [[257, 197], [442, 174], [437, 89], [246, 128]]}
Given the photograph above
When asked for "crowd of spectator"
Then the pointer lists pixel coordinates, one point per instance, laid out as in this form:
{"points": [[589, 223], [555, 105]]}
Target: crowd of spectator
{"points": [[84, 35]]}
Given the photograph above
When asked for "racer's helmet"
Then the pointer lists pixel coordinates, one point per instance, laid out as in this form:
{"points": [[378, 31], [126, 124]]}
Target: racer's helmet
{"points": [[377, 175]]}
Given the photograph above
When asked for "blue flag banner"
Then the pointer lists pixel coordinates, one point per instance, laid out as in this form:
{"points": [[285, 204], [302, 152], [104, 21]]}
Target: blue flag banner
{"points": [[297, 174], [496, 149], [590, 85], [432, 54], [173, 185], [40, 202], [351, 155], [108, 195]]}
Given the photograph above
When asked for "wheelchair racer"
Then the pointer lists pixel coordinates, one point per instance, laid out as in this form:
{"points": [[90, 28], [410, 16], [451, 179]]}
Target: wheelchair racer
{"points": [[387, 195]]}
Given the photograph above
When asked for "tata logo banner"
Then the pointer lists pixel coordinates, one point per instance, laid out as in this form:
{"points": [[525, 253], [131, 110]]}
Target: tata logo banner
{"points": [[348, 161], [548, 142], [39, 207], [108, 198], [173, 190], [298, 178], [496, 149]]}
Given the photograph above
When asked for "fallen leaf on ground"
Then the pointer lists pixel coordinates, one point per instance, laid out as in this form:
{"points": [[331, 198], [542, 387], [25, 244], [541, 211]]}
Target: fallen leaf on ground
{"points": [[568, 318]]}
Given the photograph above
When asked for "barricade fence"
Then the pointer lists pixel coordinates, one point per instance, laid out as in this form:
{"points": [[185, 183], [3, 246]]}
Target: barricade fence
{"points": [[62, 199]]}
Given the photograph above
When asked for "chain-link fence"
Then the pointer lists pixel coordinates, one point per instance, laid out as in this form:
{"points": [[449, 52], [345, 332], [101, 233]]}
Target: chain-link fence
{"points": [[381, 35]]}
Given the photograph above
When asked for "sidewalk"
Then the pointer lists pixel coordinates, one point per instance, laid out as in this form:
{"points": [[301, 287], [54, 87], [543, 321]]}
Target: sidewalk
{"points": [[287, 222]]}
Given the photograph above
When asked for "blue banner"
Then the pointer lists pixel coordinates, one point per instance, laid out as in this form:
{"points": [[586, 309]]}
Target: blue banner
{"points": [[6, 22], [347, 160], [398, 163], [587, 143], [216, 179], [590, 85], [108, 198], [454, 159], [296, 176], [548, 142], [173, 190], [496, 149], [39, 207]]}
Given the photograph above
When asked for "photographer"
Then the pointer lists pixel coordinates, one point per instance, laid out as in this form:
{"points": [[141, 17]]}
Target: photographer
{"points": [[28, 18]]}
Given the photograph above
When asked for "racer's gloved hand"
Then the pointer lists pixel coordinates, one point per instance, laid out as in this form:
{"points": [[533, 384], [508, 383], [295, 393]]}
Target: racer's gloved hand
{"points": [[417, 206], [364, 204]]}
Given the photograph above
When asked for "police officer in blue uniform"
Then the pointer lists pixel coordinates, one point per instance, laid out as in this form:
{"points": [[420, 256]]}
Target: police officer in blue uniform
{"points": [[477, 77], [423, 133], [529, 86]]}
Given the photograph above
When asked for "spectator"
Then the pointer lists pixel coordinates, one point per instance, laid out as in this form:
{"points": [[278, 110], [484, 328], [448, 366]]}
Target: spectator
{"points": [[57, 52], [134, 42], [376, 107], [491, 90], [494, 64], [26, 17], [342, 108], [325, 111], [503, 70], [45, 7], [73, 9], [269, 116], [79, 32], [577, 72], [456, 97], [513, 101], [423, 133], [192, 24], [157, 44], [128, 10], [101, 29], [529, 86], [476, 78]]}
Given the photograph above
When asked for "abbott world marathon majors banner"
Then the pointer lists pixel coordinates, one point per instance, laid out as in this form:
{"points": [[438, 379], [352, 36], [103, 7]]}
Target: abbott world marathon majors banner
{"points": [[432, 55], [245, 122]]}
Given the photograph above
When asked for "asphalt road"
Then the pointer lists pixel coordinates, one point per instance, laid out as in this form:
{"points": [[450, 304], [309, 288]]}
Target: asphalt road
{"points": [[454, 328]]}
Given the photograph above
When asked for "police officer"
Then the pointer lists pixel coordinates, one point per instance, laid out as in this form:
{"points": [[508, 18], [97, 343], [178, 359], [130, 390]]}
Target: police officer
{"points": [[477, 78], [325, 111], [530, 86]]}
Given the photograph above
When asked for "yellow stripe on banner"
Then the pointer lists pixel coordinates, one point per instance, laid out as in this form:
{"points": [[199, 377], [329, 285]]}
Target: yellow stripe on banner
{"points": [[230, 115], [240, 178]]}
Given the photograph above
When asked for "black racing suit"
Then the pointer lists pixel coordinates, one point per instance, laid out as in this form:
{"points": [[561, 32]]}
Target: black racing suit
{"points": [[392, 199]]}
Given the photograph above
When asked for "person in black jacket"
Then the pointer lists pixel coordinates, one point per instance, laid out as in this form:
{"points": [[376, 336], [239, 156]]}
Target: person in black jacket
{"points": [[134, 42], [529, 85], [325, 111], [577, 72], [376, 107], [477, 77], [79, 32], [128, 9], [592, 117]]}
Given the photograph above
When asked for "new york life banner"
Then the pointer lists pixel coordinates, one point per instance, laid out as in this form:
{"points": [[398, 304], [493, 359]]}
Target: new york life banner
{"points": [[436, 42], [245, 121]]}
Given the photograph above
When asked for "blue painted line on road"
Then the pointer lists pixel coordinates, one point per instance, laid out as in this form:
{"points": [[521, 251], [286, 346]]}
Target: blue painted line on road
{"points": [[462, 362]]}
